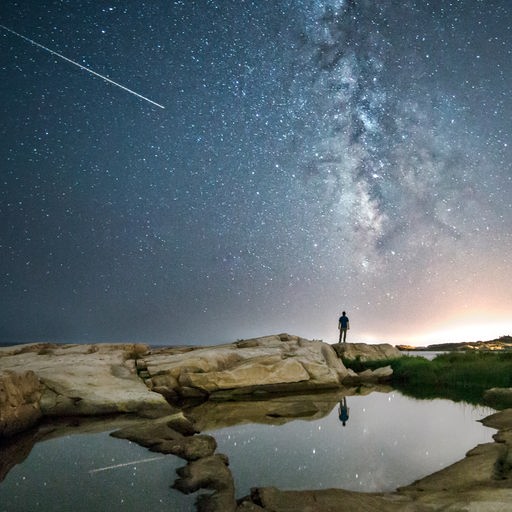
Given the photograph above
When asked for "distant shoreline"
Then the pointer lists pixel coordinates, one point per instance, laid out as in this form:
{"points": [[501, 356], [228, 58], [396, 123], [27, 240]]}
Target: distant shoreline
{"points": [[498, 344]]}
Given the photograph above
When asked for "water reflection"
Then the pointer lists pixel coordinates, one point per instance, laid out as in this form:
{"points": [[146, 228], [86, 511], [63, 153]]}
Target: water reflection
{"points": [[343, 411], [390, 441], [288, 442], [211, 415], [60, 475]]}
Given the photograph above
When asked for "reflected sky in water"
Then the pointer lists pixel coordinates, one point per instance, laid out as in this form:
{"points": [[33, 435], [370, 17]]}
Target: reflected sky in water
{"points": [[389, 440], [61, 475]]}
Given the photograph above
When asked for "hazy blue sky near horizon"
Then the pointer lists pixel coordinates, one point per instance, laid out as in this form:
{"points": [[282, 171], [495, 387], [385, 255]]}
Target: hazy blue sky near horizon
{"points": [[312, 156]]}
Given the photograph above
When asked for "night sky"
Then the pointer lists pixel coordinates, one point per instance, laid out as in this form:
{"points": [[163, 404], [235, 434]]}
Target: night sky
{"points": [[312, 156]]}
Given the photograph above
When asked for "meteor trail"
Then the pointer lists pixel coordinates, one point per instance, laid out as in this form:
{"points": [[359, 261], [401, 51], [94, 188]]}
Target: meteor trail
{"points": [[80, 66], [124, 464]]}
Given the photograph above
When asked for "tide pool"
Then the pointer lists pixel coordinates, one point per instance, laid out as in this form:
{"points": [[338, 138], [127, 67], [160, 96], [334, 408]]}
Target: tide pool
{"points": [[388, 440]]}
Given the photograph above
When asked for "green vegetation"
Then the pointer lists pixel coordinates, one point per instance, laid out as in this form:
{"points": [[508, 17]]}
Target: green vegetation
{"points": [[454, 375], [359, 366]]}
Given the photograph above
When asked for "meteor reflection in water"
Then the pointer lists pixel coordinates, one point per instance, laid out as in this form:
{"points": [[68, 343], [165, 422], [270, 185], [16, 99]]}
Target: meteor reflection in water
{"points": [[124, 464]]}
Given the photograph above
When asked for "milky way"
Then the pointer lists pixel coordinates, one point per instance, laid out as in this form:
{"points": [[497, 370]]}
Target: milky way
{"points": [[313, 156]]}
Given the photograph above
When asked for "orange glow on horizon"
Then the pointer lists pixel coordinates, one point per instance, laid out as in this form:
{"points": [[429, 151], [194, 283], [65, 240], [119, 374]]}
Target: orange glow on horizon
{"points": [[465, 333], [459, 330], [450, 334]]}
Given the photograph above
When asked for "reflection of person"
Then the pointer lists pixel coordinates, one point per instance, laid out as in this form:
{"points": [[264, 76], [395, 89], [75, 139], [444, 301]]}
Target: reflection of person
{"points": [[343, 411], [343, 326]]}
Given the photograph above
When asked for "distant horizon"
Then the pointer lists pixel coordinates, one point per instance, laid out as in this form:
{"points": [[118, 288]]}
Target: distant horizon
{"points": [[185, 344]]}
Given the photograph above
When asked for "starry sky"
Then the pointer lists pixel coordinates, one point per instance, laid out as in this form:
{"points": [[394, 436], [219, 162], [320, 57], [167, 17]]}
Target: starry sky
{"points": [[311, 156]]}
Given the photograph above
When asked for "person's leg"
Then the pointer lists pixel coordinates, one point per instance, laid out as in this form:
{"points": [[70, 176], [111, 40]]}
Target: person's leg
{"points": [[344, 335], [341, 332]]}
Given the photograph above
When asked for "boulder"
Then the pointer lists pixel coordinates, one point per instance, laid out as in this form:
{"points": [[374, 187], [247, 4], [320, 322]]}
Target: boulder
{"points": [[20, 393], [366, 352], [382, 374], [209, 473], [86, 379], [279, 363]]}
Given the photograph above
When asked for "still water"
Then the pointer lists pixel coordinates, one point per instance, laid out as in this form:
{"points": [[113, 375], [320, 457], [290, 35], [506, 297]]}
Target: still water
{"points": [[388, 440]]}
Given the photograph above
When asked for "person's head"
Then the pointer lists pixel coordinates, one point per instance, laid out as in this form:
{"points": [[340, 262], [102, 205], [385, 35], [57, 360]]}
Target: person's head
{"points": [[343, 313]]}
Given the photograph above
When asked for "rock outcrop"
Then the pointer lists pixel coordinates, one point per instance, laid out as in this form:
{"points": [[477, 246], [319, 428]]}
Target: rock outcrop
{"points": [[87, 380], [281, 363], [83, 379], [365, 352]]}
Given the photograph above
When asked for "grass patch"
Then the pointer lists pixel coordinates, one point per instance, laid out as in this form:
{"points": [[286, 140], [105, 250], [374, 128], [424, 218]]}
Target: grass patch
{"points": [[454, 375]]}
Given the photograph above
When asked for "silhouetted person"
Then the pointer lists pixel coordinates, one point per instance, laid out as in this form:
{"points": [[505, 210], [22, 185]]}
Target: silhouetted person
{"points": [[343, 411], [343, 326]]}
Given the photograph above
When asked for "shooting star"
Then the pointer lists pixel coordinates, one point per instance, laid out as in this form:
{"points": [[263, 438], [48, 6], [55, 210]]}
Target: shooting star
{"points": [[124, 464], [80, 66]]}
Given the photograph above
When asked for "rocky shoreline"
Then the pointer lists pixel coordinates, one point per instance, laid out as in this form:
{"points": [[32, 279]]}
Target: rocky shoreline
{"points": [[284, 376], [49, 380]]}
